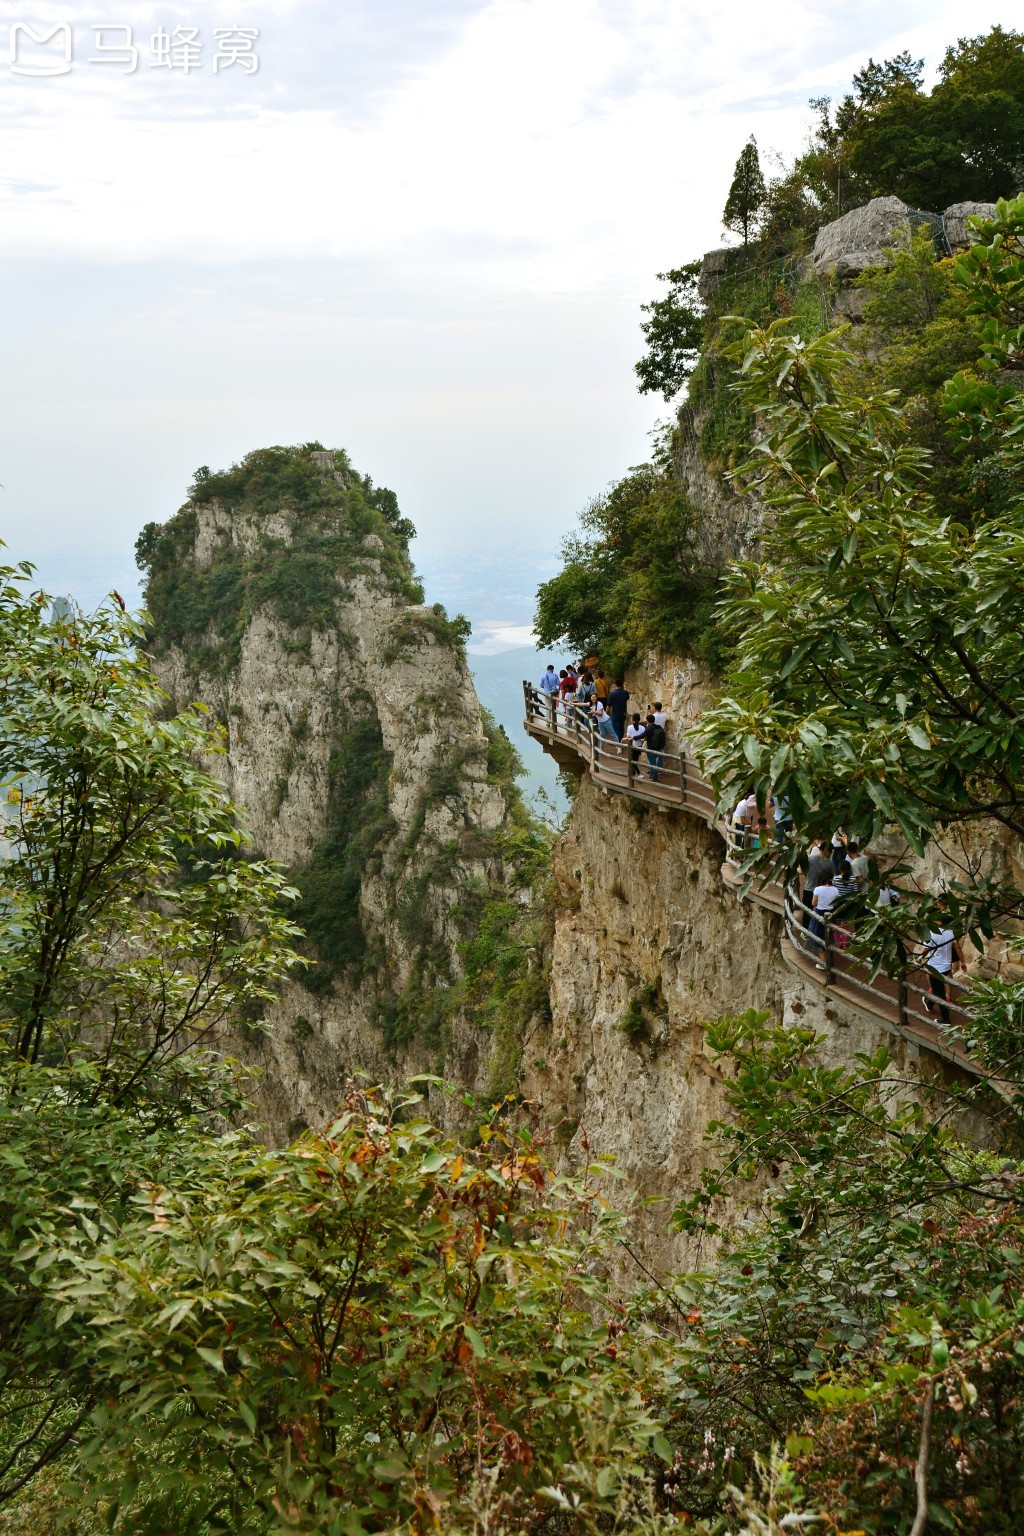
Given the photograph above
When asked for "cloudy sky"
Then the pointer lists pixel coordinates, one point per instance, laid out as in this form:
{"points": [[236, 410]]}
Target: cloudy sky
{"points": [[421, 230]]}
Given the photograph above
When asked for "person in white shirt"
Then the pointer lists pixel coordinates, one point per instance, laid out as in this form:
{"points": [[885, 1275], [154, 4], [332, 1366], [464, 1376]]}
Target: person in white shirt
{"points": [[635, 733], [744, 820], [604, 722], [823, 900], [941, 951]]}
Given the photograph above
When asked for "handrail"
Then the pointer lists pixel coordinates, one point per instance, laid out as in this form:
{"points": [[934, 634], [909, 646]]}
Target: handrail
{"points": [[823, 950]]}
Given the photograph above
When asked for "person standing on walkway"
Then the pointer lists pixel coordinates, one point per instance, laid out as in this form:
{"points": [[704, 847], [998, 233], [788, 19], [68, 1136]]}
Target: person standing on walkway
{"points": [[618, 699], [846, 888], [860, 864], [635, 733], [655, 740], [782, 816], [819, 867], [941, 952], [584, 699], [838, 847], [549, 687], [823, 900], [602, 687]]}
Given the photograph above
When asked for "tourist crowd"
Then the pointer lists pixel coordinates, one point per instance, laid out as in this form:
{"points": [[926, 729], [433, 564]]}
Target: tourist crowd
{"points": [[840, 882], [838, 886], [586, 695]]}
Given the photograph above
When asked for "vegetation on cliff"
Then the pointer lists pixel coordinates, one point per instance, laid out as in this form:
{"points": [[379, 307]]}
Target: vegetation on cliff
{"points": [[655, 588], [632, 581], [877, 658], [311, 518], [378, 1329]]}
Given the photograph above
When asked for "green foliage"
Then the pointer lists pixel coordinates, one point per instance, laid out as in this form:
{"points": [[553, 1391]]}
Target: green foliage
{"points": [[417, 627], [747, 193], [121, 968], [299, 574], [886, 1273], [962, 140], [330, 885], [906, 710], [371, 1329], [990, 275], [507, 980], [636, 1020], [758, 290], [674, 333], [634, 582], [917, 335]]}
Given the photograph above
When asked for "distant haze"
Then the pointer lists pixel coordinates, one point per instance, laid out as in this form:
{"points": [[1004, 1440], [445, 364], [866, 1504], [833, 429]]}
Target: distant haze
{"points": [[422, 230]]}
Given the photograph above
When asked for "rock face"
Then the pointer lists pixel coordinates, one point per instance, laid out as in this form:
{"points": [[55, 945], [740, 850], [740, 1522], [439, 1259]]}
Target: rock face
{"points": [[649, 945], [643, 917], [857, 240], [954, 222], [727, 526], [356, 745]]}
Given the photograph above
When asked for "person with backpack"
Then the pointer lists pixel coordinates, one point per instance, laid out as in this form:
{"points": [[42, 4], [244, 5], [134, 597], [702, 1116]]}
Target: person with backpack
{"points": [[602, 687], [584, 698]]}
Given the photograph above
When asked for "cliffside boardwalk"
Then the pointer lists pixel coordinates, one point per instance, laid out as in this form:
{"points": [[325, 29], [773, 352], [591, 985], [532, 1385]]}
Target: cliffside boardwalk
{"points": [[566, 734]]}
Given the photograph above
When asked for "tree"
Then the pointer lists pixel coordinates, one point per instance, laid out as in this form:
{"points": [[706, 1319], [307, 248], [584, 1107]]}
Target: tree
{"points": [[875, 1309], [877, 680], [374, 1329], [132, 937], [747, 194], [674, 333], [634, 581]]}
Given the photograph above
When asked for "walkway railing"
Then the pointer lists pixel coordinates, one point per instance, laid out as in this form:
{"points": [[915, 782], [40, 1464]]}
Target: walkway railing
{"points": [[663, 778], [817, 946]]}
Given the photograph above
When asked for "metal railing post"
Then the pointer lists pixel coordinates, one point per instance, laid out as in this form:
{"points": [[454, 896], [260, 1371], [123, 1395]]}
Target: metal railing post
{"points": [[828, 951]]}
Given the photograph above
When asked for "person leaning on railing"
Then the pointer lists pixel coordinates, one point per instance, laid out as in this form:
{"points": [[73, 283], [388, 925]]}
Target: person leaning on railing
{"points": [[744, 819], [603, 721]]}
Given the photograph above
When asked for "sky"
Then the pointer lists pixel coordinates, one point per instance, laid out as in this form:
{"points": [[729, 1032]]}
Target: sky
{"points": [[421, 230]]}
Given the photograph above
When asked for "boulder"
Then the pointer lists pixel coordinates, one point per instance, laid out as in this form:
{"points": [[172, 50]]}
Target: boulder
{"points": [[712, 269], [858, 239], [954, 222]]}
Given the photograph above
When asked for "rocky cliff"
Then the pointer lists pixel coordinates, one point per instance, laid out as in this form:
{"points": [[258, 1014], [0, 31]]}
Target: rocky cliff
{"points": [[283, 598], [649, 944]]}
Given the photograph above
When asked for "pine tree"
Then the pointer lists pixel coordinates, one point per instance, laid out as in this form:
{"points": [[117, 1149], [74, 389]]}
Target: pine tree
{"points": [[747, 195]]}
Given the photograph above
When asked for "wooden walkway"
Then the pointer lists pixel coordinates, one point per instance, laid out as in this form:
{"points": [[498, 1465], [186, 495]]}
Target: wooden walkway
{"points": [[671, 781]]}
